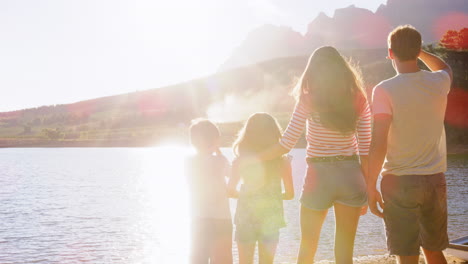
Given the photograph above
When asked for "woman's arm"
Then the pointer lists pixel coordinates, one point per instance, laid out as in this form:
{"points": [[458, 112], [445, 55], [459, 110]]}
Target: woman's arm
{"points": [[234, 180], [364, 130], [287, 180], [365, 171], [290, 136], [364, 135]]}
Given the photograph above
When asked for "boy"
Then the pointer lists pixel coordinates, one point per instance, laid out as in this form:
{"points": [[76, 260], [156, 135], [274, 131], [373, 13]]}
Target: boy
{"points": [[409, 141], [211, 217]]}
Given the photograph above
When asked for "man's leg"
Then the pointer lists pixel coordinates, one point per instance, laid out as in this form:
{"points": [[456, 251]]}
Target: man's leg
{"points": [[434, 236], [408, 259], [434, 257], [402, 197]]}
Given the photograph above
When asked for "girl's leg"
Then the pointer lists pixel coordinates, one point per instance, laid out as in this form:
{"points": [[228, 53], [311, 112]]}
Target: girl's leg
{"points": [[267, 249], [311, 224], [346, 218], [246, 252]]}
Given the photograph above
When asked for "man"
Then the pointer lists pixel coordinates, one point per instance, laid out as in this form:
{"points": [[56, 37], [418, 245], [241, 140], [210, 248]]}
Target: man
{"points": [[409, 141]]}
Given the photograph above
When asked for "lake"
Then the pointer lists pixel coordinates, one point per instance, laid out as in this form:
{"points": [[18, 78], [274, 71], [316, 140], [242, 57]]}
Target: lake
{"points": [[130, 205]]}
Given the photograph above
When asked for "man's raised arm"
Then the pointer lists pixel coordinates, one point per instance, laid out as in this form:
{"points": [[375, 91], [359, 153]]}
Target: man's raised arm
{"points": [[435, 63]]}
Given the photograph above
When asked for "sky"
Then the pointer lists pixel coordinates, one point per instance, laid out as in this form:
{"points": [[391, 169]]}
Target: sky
{"points": [[64, 51]]}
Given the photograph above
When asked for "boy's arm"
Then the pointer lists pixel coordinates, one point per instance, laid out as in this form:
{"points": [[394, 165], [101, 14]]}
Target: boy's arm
{"points": [[287, 180], [226, 165], [435, 63], [234, 180], [377, 155]]}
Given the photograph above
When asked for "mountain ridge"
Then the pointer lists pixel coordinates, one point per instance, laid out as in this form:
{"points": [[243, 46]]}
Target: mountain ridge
{"points": [[352, 27]]}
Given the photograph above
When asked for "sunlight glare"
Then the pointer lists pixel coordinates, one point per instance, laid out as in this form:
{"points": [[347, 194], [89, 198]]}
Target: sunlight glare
{"points": [[165, 200]]}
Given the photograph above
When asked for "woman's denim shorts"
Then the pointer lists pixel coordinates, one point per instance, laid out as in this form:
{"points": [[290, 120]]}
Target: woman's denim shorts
{"points": [[332, 182]]}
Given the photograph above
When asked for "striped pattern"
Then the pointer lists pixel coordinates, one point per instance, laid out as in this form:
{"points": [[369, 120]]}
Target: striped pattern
{"points": [[323, 142]]}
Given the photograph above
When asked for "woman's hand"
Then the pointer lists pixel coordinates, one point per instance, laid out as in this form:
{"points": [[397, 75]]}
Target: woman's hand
{"points": [[364, 209]]}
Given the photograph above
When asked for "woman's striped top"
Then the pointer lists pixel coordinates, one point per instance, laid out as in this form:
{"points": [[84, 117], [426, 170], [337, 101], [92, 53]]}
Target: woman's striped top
{"points": [[323, 142]]}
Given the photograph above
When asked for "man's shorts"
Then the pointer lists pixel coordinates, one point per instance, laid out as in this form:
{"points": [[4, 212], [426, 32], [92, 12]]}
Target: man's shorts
{"points": [[332, 182], [415, 213]]}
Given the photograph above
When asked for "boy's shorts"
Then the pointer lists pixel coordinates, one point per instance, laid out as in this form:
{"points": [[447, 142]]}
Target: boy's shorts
{"points": [[415, 213], [211, 239], [332, 182]]}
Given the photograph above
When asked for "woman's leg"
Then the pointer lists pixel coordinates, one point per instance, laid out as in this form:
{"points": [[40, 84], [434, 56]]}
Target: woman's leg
{"points": [[346, 218], [311, 224], [246, 252]]}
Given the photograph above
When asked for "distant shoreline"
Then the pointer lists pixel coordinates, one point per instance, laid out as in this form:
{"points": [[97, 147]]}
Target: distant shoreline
{"points": [[40, 143], [387, 259]]}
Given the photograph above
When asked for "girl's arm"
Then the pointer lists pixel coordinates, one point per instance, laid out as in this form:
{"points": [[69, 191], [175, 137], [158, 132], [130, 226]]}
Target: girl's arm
{"points": [[234, 180], [287, 180]]}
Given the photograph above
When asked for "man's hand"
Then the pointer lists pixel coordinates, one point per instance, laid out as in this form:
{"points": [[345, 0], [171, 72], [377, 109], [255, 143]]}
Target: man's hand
{"points": [[374, 197]]}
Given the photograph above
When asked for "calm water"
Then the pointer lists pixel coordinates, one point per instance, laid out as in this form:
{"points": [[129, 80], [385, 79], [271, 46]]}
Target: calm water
{"points": [[129, 205]]}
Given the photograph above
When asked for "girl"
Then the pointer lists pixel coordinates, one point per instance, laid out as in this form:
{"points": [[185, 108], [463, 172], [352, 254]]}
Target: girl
{"points": [[259, 213], [331, 101]]}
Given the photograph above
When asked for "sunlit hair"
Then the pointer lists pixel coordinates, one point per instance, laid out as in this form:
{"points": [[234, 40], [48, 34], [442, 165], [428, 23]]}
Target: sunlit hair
{"points": [[203, 133], [332, 88], [259, 132], [405, 42]]}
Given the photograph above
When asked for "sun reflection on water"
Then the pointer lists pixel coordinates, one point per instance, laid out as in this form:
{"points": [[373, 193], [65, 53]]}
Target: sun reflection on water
{"points": [[165, 206]]}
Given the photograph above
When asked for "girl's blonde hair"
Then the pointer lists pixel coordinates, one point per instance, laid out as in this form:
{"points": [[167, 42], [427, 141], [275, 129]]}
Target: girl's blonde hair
{"points": [[259, 132], [331, 87]]}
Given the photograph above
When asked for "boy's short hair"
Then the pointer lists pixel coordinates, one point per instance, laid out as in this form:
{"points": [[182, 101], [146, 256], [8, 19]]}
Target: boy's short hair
{"points": [[202, 132], [405, 42]]}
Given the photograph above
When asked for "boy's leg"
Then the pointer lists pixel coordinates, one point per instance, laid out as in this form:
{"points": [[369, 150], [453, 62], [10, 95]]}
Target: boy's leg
{"points": [[311, 225], [200, 252], [346, 219], [222, 248]]}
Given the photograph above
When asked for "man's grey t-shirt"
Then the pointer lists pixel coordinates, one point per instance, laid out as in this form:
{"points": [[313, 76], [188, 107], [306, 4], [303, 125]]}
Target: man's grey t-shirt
{"points": [[416, 139]]}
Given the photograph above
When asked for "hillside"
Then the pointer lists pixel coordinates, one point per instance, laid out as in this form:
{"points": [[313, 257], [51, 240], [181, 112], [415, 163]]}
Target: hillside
{"points": [[161, 115]]}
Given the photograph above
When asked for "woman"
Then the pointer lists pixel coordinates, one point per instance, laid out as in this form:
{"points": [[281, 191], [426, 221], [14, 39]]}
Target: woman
{"points": [[331, 101]]}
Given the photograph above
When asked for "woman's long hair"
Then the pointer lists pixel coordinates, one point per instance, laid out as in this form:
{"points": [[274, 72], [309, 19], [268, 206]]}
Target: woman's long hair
{"points": [[260, 132], [331, 87]]}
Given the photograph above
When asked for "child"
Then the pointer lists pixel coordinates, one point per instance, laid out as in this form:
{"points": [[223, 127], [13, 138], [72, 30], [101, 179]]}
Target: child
{"points": [[211, 217], [259, 213]]}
